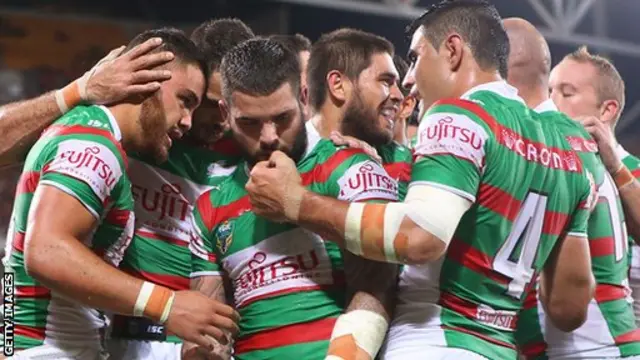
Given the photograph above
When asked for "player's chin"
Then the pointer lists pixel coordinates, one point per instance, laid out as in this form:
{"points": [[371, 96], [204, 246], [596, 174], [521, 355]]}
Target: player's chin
{"points": [[161, 152]]}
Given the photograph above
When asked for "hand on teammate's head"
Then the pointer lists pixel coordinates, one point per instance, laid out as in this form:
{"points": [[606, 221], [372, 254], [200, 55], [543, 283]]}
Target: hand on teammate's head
{"points": [[118, 76]]}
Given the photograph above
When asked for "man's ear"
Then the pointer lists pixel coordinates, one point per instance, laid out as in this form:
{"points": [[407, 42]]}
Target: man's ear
{"points": [[338, 86], [454, 47], [609, 112]]}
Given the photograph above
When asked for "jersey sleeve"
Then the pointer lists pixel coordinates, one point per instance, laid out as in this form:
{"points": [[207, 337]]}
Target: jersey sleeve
{"points": [[588, 199], [203, 256], [88, 170], [360, 178], [451, 149], [633, 164]]}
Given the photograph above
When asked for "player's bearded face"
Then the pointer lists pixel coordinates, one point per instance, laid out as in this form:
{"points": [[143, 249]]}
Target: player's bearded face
{"points": [[374, 103], [264, 124], [166, 115], [153, 122], [365, 123]]}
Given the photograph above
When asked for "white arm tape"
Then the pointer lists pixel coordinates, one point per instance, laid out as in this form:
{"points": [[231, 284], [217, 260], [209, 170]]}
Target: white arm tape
{"points": [[143, 298], [436, 210], [366, 327]]}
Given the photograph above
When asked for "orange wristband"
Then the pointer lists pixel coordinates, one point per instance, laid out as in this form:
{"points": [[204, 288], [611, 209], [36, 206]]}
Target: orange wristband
{"points": [[154, 302], [623, 177], [68, 97]]}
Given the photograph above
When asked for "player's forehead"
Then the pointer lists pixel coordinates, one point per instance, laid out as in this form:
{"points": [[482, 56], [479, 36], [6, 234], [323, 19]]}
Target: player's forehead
{"points": [[281, 100], [381, 64], [187, 77], [572, 73], [417, 39]]}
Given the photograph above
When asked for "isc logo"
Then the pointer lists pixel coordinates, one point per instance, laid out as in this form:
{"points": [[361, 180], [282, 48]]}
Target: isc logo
{"points": [[155, 329]]}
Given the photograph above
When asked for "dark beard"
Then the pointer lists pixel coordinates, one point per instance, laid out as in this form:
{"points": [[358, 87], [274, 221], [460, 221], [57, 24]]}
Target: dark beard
{"points": [[152, 122], [362, 123], [297, 149]]}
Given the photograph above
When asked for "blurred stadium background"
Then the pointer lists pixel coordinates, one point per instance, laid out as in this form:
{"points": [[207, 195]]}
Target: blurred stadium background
{"points": [[46, 43]]}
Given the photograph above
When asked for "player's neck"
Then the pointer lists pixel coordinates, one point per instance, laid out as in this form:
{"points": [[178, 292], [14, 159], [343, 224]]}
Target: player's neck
{"points": [[470, 79], [533, 96], [127, 116], [326, 120]]}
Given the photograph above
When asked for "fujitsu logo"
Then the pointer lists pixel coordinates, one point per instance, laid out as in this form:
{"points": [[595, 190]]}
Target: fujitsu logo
{"points": [[369, 177], [263, 273], [89, 158], [166, 201], [500, 319], [446, 129]]}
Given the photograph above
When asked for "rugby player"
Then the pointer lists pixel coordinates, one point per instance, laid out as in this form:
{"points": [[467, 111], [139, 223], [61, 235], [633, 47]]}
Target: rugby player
{"points": [[164, 195], [288, 292], [488, 184], [610, 324], [588, 87], [73, 220]]}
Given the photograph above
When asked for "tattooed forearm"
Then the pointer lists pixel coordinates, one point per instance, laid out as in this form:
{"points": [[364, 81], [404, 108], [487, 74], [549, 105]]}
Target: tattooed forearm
{"points": [[371, 284], [211, 286]]}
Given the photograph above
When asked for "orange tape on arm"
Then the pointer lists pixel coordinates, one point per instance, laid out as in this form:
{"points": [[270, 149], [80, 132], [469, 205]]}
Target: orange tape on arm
{"points": [[376, 231], [68, 97], [154, 302], [623, 177]]}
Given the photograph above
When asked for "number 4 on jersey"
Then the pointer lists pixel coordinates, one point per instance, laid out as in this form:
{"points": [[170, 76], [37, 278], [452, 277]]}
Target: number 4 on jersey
{"points": [[516, 256]]}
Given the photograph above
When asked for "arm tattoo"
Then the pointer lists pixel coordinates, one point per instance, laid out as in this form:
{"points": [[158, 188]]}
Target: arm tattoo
{"points": [[371, 284], [211, 286]]}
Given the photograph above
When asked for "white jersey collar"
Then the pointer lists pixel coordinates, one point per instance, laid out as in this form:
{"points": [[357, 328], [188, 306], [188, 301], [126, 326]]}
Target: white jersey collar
{"points": [[112, 121], [547, 105], [313, 137], [499, 87]]}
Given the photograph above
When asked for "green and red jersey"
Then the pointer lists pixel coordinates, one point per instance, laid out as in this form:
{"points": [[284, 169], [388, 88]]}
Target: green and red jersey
{"points": [[610, 329], [527, 188], [288, 283], [80, 155]]}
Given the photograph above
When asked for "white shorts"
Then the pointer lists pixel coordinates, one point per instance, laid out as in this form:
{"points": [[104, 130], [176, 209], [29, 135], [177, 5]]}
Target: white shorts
{"points": [[143, 350], [431, 353], [46, 352]]}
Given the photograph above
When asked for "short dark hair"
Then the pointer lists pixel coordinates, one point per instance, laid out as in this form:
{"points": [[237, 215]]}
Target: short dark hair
{"points": [[258, 67], [216, 37], [297, 42], [175, 41], [346, 50], [478, 23], [402, 68]]}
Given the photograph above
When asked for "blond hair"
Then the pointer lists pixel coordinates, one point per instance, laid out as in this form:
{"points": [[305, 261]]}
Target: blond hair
{"points": [[610, 85]]}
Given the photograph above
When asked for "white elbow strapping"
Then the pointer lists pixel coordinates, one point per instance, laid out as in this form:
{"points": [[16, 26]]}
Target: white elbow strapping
{"points": [[367, 328], [436, 210]]}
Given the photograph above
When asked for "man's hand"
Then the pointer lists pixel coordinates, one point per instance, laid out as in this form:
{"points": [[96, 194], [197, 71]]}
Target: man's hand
{"points": [[275, 188], [192, 351], [196, 318], [342, 140], [604, 137], [118, 76]]}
